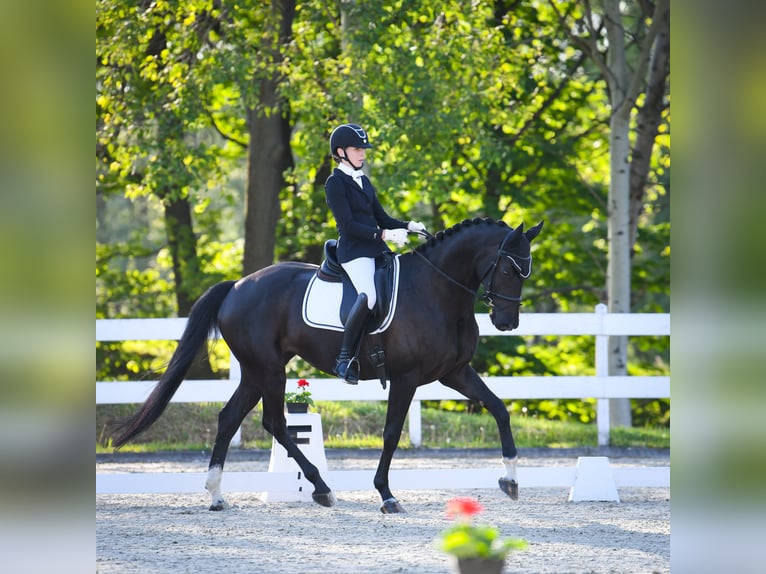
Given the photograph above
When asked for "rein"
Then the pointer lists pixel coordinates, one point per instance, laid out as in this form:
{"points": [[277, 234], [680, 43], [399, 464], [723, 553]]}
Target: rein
{"points": [[447, 277], [489, 295]]}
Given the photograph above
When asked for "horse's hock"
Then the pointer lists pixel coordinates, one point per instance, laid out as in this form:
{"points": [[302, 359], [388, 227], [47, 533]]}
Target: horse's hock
{"points": [[306, 430]]}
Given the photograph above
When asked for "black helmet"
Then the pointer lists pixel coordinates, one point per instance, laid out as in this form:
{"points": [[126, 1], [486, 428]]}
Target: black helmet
{"points": [[348, 135]]}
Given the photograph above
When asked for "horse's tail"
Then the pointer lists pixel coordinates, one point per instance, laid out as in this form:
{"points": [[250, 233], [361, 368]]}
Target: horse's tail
{"points": [[203, 319]]}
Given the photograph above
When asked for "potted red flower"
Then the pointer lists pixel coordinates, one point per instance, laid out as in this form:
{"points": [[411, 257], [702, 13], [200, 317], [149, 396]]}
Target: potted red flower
{"points": [[474, 549], [299, 401]]}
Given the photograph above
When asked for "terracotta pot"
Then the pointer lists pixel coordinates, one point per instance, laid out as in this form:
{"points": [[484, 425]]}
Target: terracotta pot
{"points": [[297, 407], [476, 565]]}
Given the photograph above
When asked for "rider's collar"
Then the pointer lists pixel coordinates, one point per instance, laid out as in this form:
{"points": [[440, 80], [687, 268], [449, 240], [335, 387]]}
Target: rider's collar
{"points": [[348, 170]]}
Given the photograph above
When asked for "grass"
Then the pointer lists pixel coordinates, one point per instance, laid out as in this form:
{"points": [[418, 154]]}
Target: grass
{"points": [[352, 425]]}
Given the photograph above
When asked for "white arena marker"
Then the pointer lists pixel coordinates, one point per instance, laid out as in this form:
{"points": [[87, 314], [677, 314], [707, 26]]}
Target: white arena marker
{"points": [[307, 431], [594, 481]]}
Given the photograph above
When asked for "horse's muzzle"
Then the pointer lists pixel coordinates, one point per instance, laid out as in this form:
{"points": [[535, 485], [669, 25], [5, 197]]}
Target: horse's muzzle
{"points": [[504, 322]]}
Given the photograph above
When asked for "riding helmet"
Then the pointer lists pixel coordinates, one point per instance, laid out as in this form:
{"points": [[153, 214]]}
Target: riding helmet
{"points": [[348, 135]]}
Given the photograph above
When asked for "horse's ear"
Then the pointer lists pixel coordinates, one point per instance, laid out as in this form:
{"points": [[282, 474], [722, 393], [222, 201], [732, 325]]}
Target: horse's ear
{"points": [[533, 231], [513, 237]]}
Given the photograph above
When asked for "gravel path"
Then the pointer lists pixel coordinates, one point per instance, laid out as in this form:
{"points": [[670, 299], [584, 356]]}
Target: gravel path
{"points": [[176, 533]]}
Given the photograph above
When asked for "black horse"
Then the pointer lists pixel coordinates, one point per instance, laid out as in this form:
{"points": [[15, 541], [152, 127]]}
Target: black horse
{"points": [[433, 336]]}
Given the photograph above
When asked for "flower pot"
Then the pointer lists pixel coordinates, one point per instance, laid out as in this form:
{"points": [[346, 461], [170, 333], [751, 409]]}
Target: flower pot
{"points": [[297, 408], [476, 565]]}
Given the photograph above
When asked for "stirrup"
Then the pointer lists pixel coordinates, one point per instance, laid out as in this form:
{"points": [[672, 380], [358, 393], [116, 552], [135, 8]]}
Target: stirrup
{"points": [[347, 371]]}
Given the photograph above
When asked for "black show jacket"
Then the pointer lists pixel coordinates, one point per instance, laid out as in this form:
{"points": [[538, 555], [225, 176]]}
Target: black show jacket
{"points": [[359, 217]]}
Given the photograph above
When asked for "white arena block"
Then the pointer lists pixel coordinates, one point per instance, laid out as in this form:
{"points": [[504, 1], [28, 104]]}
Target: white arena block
{"points": [[594, 481], [306, 430]]}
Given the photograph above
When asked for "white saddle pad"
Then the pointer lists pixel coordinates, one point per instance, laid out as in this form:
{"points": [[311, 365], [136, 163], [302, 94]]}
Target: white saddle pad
{"points": [[321, 303]]}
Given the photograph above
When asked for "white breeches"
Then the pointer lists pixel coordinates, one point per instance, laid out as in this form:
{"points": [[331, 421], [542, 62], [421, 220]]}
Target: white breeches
{"points": [[361, 271]]}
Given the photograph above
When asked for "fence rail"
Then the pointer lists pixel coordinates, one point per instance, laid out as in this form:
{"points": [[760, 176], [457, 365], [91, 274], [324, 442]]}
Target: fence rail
{"points": [[601, 386]]}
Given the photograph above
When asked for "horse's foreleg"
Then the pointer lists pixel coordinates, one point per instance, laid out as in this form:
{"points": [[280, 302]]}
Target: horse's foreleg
{"points": [[467, 382], [275, 423], [509, 483], [229, 419], [399, 400]]}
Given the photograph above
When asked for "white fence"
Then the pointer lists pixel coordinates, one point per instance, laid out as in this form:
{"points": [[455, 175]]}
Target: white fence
{"points": [[594, 484], [601, 386]]}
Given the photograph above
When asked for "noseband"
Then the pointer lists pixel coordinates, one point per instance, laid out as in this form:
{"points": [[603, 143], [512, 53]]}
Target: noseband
{"points": [[523, 266]]}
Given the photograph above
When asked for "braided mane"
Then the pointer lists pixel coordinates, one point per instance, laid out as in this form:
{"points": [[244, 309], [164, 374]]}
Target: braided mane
{"points": [[441, 235]]}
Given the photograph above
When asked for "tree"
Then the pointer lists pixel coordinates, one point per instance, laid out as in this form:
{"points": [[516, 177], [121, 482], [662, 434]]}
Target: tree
{"points": [[257, 34], [148, 116], [630, 45], [482, 109]]}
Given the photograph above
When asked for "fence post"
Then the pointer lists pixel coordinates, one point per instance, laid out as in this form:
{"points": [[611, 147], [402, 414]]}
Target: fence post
{"points": [[235, 373], [602, 370], [416, 433]]}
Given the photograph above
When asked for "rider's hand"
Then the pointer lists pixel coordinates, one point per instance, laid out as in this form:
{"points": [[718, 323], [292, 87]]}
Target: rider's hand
{"points": [[416, 227], [398, 236]]}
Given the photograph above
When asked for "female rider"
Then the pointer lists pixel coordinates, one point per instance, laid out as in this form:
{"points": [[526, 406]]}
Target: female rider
{"points": [[363, 228]]}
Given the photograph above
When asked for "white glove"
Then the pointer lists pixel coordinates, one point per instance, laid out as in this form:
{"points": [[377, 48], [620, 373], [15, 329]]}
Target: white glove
{"points": [[416, 227], [398, 236]]}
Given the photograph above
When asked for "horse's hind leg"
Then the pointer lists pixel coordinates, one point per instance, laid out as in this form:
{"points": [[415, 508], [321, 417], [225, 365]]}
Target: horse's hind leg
{"points": [[275, 423], [399, 400], [229, 419]]}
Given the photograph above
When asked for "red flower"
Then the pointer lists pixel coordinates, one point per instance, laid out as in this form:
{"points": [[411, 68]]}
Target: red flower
{"points": [[463, 507], [303, 383]]}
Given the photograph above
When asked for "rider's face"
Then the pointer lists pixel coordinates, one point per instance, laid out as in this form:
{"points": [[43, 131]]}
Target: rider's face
{"points": [[355, 155]]}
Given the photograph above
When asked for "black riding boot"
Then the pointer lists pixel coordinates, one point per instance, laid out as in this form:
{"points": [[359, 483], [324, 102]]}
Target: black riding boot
{"points": [[347, 364]]}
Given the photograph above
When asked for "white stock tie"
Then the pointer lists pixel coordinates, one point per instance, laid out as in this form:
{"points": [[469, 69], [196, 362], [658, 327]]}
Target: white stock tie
{"points": [[356, 174]]}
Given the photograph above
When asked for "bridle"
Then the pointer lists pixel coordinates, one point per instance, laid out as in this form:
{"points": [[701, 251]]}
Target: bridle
{"points": [[523, 266]]}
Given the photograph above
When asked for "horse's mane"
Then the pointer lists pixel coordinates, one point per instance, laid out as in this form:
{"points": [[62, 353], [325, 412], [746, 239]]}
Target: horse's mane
{"points": [[466, 223]]}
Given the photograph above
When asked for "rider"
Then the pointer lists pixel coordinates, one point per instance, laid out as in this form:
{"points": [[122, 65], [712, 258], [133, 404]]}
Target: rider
{"points": [[363, 227]]}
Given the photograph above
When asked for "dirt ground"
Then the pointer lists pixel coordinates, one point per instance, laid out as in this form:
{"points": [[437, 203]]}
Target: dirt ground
{"points": [[174, 533]]}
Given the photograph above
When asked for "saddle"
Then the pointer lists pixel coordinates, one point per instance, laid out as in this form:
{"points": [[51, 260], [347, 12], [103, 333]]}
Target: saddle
{"points": [[330, 295], [331, 271]]}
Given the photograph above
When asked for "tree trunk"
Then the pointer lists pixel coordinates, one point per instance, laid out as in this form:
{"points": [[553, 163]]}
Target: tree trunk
{"points": [[618, 269], [268, 158], [618, 205], [629, 168], [183, 251], [269, 154], [189, 280]]}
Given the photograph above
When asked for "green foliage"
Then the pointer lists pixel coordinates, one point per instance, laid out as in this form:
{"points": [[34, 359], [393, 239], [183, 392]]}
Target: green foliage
{"points": [[473, 109], [133, 360], [302, 395], [477, 541]]}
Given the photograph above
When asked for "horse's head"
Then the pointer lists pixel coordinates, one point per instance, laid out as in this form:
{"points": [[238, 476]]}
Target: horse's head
{"points": [[505, 277]]}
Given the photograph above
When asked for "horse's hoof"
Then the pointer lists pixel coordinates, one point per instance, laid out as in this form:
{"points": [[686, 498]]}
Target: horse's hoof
{"points": [[391, 506], [219, 505], [510, 487], [325, 499]]}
